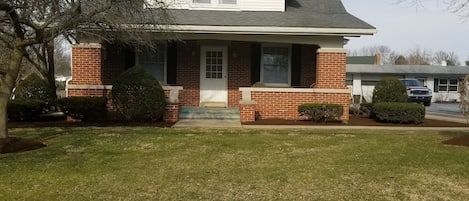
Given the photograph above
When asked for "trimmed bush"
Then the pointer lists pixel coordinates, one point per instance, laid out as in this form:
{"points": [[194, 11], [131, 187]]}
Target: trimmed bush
{"points": [[138, 96], [321, 112], [403, 113], [366, 109], [390, 90], [25, 109], [84, 108], [33, 87]]}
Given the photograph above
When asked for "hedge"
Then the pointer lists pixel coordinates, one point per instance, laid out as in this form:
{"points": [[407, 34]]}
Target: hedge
{"points": [[321, 112], [138, 96], [84, 108], [390, 90], [399, 112], [25, 109]]}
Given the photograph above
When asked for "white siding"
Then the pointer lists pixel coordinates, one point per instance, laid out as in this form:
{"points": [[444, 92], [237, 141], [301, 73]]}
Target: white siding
{"points": [[242, 5]]}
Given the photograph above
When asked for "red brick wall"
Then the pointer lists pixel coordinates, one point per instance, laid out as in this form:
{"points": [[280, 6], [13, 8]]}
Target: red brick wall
{"points": [[86, 65], [330, 71], [188, 73], [284, 105], [239, 70]]}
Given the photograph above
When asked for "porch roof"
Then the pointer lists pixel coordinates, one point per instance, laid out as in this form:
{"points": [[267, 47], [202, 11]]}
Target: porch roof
{"points": [[302, 17], [408, 69]]}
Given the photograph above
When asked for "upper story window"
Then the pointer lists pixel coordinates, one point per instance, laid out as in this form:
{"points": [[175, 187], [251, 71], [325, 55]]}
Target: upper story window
{"points": [[215, 3]]}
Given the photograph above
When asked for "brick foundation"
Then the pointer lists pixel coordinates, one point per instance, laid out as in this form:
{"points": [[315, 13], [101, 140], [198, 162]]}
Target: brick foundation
{"points": [[171, 114], [247, 112], [284, 105]]}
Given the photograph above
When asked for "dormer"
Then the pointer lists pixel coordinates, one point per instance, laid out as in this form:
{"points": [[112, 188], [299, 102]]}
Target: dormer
{"points": [[228, 5]]}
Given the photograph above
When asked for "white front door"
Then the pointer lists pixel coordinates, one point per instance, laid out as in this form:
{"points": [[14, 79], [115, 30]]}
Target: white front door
{"points": [[213, 76]]}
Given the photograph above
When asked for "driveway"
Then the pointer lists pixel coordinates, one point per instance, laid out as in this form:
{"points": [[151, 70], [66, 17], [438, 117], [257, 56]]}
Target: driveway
{"points": [[445, 111]]}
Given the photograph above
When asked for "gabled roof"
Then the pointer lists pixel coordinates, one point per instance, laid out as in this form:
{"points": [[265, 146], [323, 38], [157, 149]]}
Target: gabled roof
{"points": [[302, 17], [408, 69]]}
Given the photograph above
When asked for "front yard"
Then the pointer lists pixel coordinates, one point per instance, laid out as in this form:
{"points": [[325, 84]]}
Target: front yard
{"points": [[140, 163]]}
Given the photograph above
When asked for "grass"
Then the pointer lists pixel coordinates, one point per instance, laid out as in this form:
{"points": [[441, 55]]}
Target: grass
{"points": [[139, 163]]}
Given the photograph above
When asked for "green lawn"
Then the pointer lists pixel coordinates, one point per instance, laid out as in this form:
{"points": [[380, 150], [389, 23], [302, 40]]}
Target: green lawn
{"points": [[171, 164]]}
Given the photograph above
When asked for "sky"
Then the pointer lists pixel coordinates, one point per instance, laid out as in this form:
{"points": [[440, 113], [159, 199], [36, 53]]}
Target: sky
{"points": [[403, 27]]}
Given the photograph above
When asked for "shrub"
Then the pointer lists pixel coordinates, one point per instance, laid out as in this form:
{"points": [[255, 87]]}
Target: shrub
{"points": [[138, 96], [33, 87], [321, 112], [84, 108], [390, 90], [366, 109], [399, 112], [25, 109]]}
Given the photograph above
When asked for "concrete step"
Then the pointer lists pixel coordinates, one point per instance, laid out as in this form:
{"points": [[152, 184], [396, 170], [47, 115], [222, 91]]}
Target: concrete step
{"points": [[208, 113]]}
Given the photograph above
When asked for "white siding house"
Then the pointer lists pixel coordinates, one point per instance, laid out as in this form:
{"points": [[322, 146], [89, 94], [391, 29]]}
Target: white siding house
{"points": [[442, 80]]}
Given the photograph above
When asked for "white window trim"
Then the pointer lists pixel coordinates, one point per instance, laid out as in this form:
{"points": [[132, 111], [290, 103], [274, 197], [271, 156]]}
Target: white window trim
{"points": [[289, 64], [215, 5], [165, 76]]}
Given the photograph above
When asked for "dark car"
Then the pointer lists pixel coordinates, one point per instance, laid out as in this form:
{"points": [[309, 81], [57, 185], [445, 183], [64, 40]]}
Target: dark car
{"points": [[418, 93]]}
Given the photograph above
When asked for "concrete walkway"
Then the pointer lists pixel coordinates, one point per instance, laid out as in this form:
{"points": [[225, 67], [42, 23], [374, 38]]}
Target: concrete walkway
{"points": [[207, 123], [437, 114]]}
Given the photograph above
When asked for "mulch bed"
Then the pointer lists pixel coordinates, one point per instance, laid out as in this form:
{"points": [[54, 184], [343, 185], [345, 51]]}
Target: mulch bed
{"points": [[358, 121], [15, 145], [86, 124], [458, 141]]}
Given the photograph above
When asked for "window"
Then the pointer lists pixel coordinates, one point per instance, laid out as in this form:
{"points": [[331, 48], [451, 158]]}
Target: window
{"points": [[214, 65], [447, 85], [153, 60], [275, 65], [201, 1], [227, 2], [215, 2]]}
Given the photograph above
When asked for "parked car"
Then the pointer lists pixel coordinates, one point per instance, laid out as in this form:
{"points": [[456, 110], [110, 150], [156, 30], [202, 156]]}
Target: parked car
{"points": [[416, 92]]}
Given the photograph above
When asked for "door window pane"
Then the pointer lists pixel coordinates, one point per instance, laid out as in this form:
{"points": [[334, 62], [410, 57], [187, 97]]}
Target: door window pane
{"points": [[275, 65], [214, 65]]}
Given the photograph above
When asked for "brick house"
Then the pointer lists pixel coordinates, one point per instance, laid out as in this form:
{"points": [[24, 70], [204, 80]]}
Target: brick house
{"points": [[264, 57]]}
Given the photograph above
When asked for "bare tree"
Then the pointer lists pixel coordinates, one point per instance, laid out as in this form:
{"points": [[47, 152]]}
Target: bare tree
{"points": [[459, 7], [417, 56], [28, 29], [450, 58], [464, 96], [388, 56]]}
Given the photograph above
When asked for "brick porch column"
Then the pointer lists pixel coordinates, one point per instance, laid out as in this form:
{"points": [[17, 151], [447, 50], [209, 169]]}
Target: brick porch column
{"points": [[330, 74], [87, 61], [330, 69]]}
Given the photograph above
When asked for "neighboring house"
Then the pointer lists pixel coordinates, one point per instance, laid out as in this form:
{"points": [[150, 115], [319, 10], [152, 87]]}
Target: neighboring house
{"points": [[264, 57], [442, 80]]}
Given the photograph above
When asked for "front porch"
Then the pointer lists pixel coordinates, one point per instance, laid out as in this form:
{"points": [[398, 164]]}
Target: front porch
{"points": [[264, 79]]}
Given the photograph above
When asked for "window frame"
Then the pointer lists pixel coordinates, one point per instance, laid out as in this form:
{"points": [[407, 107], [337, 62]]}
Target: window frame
{"points": [[165, 62], [448, 85], [214, 4], [289, 46]]}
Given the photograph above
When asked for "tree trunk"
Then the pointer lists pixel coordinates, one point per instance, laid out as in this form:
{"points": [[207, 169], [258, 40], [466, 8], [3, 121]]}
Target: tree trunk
{"points": [[7, 83], [50, 64]]}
